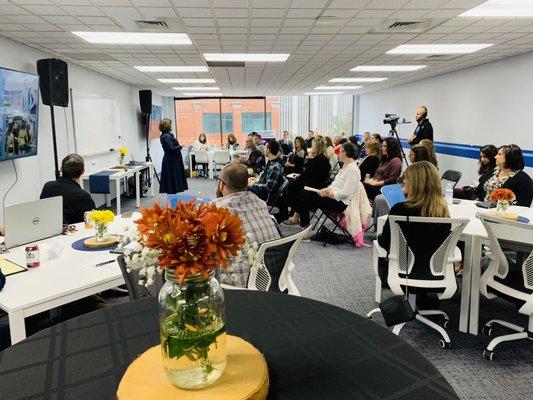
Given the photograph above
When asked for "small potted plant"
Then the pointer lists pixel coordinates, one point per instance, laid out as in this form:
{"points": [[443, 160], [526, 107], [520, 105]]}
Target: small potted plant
{"points": [[122, 153], [100, 219], [503, 199]]}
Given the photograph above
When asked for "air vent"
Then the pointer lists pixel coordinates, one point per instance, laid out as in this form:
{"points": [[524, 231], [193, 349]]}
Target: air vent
{"points": [[436, 57], [395, 25], [151, 24], [402, 24], [229, 64]]}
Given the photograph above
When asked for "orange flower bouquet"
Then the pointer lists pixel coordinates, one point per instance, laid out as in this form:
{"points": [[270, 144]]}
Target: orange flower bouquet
{"points": [[503, 198], [188, 243]]}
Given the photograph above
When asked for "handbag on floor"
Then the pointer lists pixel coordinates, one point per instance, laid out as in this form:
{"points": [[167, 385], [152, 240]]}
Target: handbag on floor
{"points": [[397, 309]]}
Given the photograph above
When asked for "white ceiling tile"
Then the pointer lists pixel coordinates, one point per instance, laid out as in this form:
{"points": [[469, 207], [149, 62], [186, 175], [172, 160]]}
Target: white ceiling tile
{"points": [[155, 12], [267, 22], [61, 19], [308, 3], [350, 4], [231, 3], [299, 22], [201, 22], [386, 4], [303, 13], [425, 4], [268, 13], [151, 3], [231, 12], [26, 19], [232, 22], [195, 12], [189, 3], [271, 3], [7, 9]]}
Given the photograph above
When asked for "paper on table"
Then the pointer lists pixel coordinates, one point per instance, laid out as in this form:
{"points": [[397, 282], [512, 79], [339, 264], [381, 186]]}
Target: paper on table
{"points": [[311, 189], [9, 267]]}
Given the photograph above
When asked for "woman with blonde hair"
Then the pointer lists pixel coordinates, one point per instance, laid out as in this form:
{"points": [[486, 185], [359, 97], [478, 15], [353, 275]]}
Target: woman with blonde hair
{"points": [[423, 189], [315, 174], [428, 144], [424, 199], [172, 171]]}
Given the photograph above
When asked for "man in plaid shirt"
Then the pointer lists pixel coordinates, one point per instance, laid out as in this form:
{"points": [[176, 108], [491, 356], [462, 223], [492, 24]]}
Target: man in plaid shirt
{"points": [[272, 177], [257, 222]]}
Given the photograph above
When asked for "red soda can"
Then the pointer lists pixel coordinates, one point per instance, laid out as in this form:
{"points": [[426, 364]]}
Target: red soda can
{"points": [[32, 256]]}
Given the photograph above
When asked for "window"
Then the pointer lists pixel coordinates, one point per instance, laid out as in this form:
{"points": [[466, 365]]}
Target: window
{"points": [[255, 122], [211, 122]]}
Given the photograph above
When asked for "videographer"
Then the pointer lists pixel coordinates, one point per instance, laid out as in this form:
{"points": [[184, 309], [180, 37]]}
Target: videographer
{"points": [[423, 130]]}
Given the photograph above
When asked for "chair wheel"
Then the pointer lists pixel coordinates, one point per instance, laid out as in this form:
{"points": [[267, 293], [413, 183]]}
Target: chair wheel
{"points": [[488, 355], [369, 316], [444, 344], [487, 330], [445, 323]]}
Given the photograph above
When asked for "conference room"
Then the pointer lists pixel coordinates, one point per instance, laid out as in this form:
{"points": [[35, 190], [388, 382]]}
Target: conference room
{"points": [[282, 199]]}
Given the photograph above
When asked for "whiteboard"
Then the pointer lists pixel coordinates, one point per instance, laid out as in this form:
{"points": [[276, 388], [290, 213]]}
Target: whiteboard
{"points": [[97, 126]]}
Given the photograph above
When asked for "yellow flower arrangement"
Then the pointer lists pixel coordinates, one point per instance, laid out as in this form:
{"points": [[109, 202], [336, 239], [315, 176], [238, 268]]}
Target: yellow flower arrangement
{"points": [[122, 151], [102, 216]]}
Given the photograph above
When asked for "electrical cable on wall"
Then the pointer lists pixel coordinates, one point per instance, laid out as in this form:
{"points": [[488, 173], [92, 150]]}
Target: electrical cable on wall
{"points": [[8, 190]]}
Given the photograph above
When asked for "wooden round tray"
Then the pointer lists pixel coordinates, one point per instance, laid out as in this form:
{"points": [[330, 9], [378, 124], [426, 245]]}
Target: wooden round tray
{"points": [[245, 377], [93, 244]]}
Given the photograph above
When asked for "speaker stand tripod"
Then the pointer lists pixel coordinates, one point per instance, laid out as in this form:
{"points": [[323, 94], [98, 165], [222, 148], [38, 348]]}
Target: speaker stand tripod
{"points": [[148, 157], [393, 133], [54, 141]]}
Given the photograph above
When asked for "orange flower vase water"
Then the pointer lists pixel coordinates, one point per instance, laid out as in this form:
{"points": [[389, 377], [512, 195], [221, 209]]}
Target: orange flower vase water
{"points": [[503, 198], [191, 242]]}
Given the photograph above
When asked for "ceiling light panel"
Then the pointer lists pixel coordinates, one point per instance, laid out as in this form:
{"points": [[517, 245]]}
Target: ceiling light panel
{"points": [[208, 88], [166, 68], [502, 9], [187, 80], [135, 38], [438, 48], [246, 57], [321, 93], [349, 80], [328, 87], [387, 68], [194, 94]]}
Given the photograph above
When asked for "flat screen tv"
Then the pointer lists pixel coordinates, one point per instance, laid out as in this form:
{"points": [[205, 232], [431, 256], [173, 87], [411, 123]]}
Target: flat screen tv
{"points": [[19, 114]]}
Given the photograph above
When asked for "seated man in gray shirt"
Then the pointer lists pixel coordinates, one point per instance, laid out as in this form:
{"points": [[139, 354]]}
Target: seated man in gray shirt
{"points": [[257, 222]]}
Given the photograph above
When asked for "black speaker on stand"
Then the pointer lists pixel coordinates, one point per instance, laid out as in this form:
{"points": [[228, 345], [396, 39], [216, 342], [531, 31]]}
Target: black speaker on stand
{"points": [[145, 99], [53, 82]]}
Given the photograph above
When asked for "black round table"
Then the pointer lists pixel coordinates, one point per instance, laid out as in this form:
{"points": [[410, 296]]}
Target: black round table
{"points": [[313, 350]]}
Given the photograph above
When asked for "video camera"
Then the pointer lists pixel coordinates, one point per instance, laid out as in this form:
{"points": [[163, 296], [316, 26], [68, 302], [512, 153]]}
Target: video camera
{"points": [[391, 119]]}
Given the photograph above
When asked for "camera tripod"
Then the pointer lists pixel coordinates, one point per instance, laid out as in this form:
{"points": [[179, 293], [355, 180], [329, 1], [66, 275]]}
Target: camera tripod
{"points": [[393, 133]]}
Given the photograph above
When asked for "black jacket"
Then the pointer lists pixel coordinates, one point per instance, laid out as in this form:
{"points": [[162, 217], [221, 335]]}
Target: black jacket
{"points": [[369, 165], [316, 172], [424, 130], [255, 160], [76, 201], [479, 191], [522, 187]]}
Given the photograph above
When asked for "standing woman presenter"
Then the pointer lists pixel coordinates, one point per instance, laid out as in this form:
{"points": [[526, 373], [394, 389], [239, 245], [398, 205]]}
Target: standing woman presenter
{"points": [[172, 171]]}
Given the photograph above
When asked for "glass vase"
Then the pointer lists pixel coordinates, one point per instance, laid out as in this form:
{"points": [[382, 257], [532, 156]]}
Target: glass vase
{"points": [[121, 161], [502, 206], [100, 232], [193, 330]]}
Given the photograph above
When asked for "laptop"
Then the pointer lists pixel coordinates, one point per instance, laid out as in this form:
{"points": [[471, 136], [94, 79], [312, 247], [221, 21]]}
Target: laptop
{"points": [[32, 221]]}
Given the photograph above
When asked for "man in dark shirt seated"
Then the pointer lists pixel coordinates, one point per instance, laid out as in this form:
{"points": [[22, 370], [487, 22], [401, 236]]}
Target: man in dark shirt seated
{"points": [[76, 201], [267, 186]]}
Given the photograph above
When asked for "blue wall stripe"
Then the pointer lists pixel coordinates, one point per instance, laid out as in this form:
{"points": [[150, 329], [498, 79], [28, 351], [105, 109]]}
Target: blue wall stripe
{"points": [[463, 150]]}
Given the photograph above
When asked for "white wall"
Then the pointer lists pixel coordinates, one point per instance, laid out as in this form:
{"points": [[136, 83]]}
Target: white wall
{"points": [[33, 172], [490, 103]]}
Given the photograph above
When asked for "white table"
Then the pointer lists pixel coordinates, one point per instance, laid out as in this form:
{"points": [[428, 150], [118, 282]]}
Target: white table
{"points": [[474, 236], [55, 282], [124, 174]]}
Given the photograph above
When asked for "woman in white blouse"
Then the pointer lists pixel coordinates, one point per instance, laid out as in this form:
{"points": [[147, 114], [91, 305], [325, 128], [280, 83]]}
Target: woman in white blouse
{"points": [[336, 196], [201, 143]]}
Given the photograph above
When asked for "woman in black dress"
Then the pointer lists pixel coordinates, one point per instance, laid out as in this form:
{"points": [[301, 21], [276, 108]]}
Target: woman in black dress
{"points": [[172, 171]]}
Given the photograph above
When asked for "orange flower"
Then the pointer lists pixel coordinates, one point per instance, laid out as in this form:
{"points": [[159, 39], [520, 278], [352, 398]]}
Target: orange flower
{"points": [[502, 195], [192, 239]]}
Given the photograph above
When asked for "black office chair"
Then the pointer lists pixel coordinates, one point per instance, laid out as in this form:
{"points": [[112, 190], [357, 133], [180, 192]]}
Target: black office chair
{"points": [[452, 176]]}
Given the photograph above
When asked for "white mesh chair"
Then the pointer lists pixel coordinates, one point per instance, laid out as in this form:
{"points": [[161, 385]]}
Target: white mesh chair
{"points": [[508, 277], [221, 157], [201, 158], [273, 266], [424, 268], [131, 278]]}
